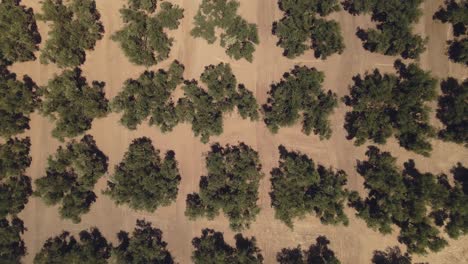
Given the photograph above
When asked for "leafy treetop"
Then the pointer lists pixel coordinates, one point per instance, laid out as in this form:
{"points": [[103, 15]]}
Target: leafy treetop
{"points": [[299, 94], [75, 28], [142, 180], [391, 255], [317, 253], [211, 248], [18, 99], [234, 173], [15, 187], [239, 37], [144, 246], [70, 178], [69, 100], [91, 247], [299, 188], [300, 30], [143, 38], [386, 104], [20, 38], [12, 247]]}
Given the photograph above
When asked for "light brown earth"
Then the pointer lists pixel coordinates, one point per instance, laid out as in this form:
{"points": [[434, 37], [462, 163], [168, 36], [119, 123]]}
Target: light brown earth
{"points": [[353, 244]]}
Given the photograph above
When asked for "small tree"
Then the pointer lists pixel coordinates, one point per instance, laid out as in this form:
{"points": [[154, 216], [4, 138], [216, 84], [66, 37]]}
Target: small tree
{"points": [[392, 255], [317, 253], [144, 246], [453, 111], [301, 93], [142, 180], [18, 99], [238, 38], [299, 26], [72, 103], [12, 247], [384, 105], [299, 188], [15, 187], [20, 38], [74, 29], [234, 173], [393, 35], [143, 38], [204, 109], [91, 247], [70, 178], [150, 96], [211, 248]]}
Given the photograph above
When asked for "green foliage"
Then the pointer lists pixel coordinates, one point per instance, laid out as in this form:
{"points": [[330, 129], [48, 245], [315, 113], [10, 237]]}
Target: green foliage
{"points": [[299, 26], [72, 103], [18, 99], [211, 248], [74, 29], [391, 255], [142, 180], [150, 95], [12, 247], [143, 38], [91, 247], [145, 246], [70, 178], [317, 253], [301, 93], [384, 105], [394, 20], [15, 187], [456, 13], [299, 188], [234, 173], [453, 111], [238, 38], [204, 109], [20, 38], [405, 198]]}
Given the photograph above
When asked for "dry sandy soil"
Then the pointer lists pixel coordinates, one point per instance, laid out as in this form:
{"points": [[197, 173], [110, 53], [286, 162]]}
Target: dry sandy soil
{"points": [[352, 244]]}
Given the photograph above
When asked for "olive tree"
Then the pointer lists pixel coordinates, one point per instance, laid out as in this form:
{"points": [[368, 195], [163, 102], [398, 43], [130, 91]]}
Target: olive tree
{"points": [[70, 177], [12, 247], [317, 253], [75, 27]]}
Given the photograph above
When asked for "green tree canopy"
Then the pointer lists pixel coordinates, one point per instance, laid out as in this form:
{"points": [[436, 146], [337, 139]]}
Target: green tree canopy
{"points": [[405, 198], [211, 248], [144, 38], [386, 104], [298, 94], [12, 247], [20, 38], [91, 247], [391, 255], [144, 246], [142, 180], [394, 18], [15, 187], [453, 111], [204, 109], [72, 103], [18, 99], [150, 96], [234, 173], [299, 27], [455, 12], [300, 188], [238, 36], [75, 27], [70, 178], [317, 253]]}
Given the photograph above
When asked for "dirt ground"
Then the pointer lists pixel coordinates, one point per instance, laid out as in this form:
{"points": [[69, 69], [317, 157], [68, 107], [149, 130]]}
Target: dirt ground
{"points": [[352, 244]]}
